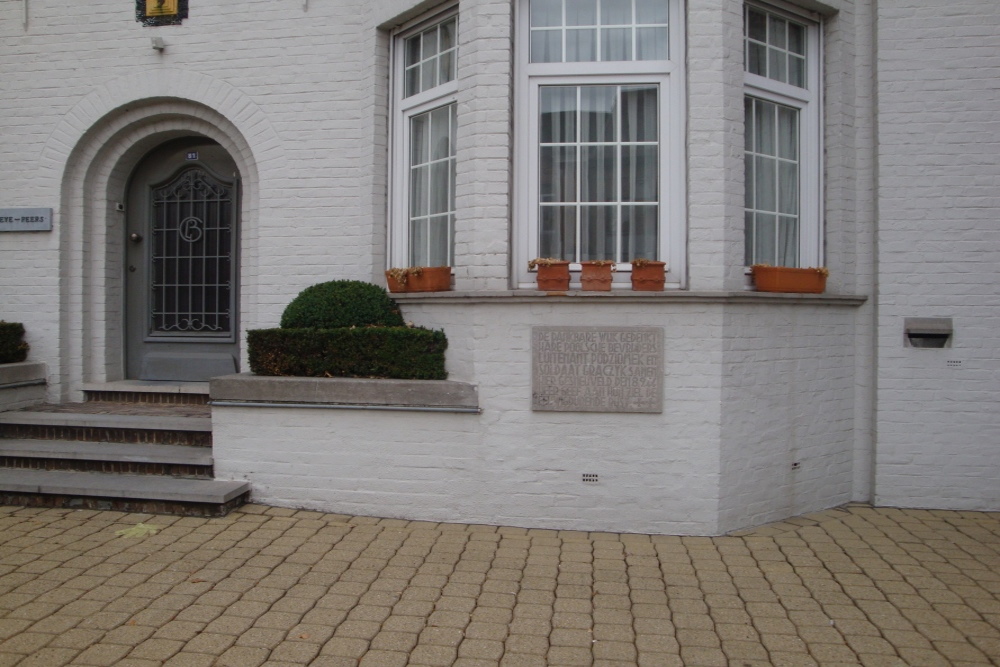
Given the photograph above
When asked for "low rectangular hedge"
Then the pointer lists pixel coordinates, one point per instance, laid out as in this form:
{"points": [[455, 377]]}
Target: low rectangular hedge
{"points": [[405, 353], [12, 346]]}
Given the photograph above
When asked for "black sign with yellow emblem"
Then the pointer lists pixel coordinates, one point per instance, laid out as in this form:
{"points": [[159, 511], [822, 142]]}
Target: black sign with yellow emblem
{"points": [[161, 12]]}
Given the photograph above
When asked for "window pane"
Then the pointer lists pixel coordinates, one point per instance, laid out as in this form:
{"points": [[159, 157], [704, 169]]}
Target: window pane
{"points": [[428, 75], [419, 190], [557, 174], [616, 44], [597, 113], [616, 12], [412, 50], [581, 45], [597, 233], [757, 59], [764, 122], [639, 232], [788, 242], [446, 67], [418, 242], [757, 25], [797, 71], [748, 124], [441, 133], [777, 65], [598, 170], [412, 86], [797, 39], [546, 13], [764, 239], [748, 240], [419, 139], [546, 46], [765, 192], [788, 133], [651, 11], [447, 34], [748, 184], [639, 173], [558, 114], [557, 232], [438, 241], [788, 188], [581, 12], [652, 43], [639, 114], [776, 32], [440, 179]]}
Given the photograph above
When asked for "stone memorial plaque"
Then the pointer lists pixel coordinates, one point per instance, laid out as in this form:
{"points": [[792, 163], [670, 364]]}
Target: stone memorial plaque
{"points": [[25, 219], [588, 369]]}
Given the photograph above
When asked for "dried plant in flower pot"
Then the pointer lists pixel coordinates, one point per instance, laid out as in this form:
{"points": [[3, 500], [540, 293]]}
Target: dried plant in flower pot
{"points": [[419, 279], [810, 280], [648, 275], [595, 275], [553, 274]]}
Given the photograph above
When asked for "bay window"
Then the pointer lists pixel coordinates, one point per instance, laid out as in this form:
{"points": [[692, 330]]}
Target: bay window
{"points": [[600, 132], [782, 138]]}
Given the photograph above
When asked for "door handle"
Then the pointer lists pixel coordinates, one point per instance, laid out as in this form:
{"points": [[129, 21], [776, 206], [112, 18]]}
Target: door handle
{"points": [[135, 238]]}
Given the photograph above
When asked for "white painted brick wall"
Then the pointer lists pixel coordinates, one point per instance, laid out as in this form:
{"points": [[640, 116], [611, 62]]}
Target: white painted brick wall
{"points": [[939, 252]]}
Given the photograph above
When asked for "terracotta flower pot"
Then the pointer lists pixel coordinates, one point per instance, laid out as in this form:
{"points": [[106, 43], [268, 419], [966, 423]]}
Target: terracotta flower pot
{"points": [[788, 279], [649, 276], [553, 276], [595, 276], [426, 279]]}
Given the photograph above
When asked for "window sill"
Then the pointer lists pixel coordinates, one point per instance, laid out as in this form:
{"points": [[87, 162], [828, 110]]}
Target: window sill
{"points": [[628, 296]]}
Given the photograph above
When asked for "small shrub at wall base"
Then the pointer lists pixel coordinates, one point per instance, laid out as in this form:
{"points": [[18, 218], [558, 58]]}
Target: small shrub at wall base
{"points": [[341, 303], [404, 353], [13, 349]]}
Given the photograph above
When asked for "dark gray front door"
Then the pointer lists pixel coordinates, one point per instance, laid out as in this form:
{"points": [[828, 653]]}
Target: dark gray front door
{"points": [[181, 263]]}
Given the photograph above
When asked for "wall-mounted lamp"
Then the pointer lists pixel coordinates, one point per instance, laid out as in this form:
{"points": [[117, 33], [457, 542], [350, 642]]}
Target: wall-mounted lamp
{"points": [[157, 44]]}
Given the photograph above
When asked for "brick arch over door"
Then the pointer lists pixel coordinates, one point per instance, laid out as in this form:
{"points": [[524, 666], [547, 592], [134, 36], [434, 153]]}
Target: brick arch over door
{"points": [[91, 154]]}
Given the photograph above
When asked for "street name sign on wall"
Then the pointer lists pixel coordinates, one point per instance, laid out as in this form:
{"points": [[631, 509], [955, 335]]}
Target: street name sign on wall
{"points": [[587, 369], [25, 219]]}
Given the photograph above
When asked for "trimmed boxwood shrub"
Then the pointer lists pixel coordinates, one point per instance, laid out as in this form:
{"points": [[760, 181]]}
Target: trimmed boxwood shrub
{"points": [[341, 303], [12, 346], [407, 353], [347, 328]]}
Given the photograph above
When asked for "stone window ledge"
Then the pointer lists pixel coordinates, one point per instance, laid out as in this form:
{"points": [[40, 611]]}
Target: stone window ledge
{"points": [[248, 390], [628, 296]]}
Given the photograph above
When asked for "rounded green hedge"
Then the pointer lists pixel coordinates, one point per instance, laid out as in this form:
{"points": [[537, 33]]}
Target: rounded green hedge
{"points": [[341, 303]]}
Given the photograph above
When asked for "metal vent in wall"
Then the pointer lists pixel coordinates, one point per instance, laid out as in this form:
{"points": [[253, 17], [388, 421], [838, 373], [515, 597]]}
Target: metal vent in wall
{"points": [[590, 478]]}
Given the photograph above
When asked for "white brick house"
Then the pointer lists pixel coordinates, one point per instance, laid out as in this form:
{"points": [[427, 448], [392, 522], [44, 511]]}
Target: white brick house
{"points": [[877, 120]]}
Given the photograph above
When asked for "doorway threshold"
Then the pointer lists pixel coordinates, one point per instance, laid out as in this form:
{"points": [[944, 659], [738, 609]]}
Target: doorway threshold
{"points": [[148, 387]]}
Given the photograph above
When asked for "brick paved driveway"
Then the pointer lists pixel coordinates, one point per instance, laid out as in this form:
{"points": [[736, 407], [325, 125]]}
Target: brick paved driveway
{"points": [[273, 586]]}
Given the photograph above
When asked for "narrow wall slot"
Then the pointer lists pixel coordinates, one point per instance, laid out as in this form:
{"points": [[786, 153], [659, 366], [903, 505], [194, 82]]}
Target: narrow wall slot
{"points": [[927, 332]]}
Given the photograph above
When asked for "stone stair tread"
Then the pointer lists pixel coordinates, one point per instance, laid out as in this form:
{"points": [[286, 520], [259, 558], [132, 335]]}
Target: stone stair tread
{"points": [[104, 420], [103, 485], [105, 451]]}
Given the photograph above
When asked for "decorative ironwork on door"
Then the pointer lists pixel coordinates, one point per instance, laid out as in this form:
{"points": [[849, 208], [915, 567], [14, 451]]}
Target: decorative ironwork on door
{"points": [[192, 256]]}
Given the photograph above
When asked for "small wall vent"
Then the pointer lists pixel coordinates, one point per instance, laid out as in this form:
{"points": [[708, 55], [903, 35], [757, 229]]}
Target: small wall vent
{"points": [[590, 478], [927, 332]]}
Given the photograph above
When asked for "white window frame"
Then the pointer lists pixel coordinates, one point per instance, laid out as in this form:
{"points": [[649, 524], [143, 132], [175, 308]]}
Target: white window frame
{"points": [[668, 75], [403, 109], [809, 102]]}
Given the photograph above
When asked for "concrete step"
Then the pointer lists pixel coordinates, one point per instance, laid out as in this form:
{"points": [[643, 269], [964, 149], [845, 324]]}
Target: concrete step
{"points": [[126, 493], [134, 458], [58, 423]]}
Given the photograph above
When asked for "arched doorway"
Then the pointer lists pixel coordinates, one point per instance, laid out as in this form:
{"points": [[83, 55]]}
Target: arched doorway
{"points": [[182, 263]]}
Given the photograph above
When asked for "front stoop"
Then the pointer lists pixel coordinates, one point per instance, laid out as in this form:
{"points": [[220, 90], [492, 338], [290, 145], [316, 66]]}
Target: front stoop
{"points": [[134, 447]]}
